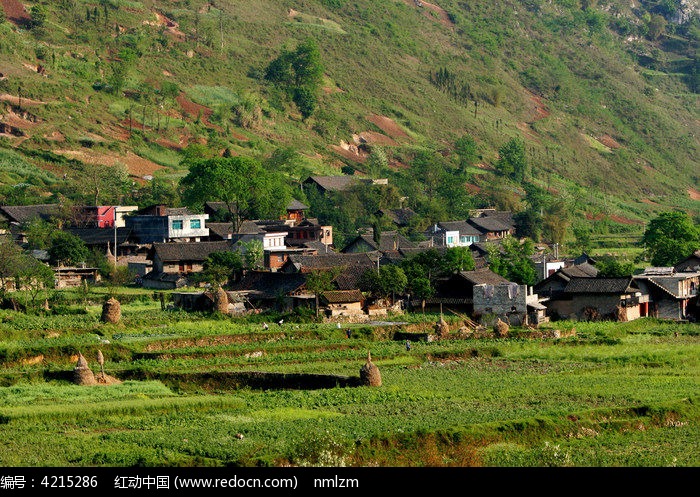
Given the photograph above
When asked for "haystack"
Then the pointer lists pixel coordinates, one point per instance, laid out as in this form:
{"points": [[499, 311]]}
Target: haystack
{"points": [[441, 327], [369, 373], [221, 301], [111, 311], [82, 374], [500, 328]]}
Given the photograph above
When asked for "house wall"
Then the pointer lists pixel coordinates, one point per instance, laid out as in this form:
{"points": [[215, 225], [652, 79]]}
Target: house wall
{"points": [[605, 305], [193, 234], [502, 301], [668, 309], [346, 309]]}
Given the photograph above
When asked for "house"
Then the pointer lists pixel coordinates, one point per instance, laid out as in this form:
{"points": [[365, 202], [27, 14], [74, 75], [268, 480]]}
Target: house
{"points": [[351, 266], [343, 302], [267, 290], [219, 231], [104, 240], [399, 217], [324, 184], [160, 224], [172, 262], [71, 277], [672, 294], [546, 265], [595, 298], [690, 263], [308, 230], [514, 304], [24, 214], [453, 234], [101, 216], [455, 293], [388, 241], [554, 284], [491, 227], [295, 211]]}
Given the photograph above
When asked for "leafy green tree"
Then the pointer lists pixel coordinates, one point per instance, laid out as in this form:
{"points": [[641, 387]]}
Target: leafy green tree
{"points": [[513, 260], [458, 259], [220, 267], [319, 281], [253, 254], [67, 249], [467, 150], [248, 190], [612, 267], [670, 238], [39, 233], [300, 74], [11, 255], [32, 277], [512, 161], [392, 281]]}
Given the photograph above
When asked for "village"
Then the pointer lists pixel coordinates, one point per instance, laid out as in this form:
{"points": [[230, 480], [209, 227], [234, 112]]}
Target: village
{"points": [[166, 249]]}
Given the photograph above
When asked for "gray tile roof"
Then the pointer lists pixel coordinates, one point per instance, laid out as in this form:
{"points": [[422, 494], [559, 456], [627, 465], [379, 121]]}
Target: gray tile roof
{"points": [[484, 275], [600, 285], [463, 227], [489, 224], [100, 236], [267, 284], [333, 183], [295, 205], [386, 241], [580, 270], [342, 296], [190, 251], [26, 213]]}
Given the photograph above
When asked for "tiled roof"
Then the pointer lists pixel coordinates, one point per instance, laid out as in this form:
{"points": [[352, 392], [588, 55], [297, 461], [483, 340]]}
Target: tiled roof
{"points": [[463, 227], [485, 275], [190, 251], [26, 213], [267, 284], [400, 217], [221, 230], [295, 205], [600, 285], [579, 271], [489, 224], [333, 183], [100, 236], [342, 296], [386, 241]]}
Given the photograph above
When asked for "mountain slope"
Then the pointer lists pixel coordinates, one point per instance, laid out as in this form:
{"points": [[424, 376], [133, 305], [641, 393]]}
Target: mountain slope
{"points": [[601, 93]]}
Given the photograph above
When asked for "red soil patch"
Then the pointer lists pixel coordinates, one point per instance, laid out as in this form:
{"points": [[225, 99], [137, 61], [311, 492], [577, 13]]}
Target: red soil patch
{"points": [[388, 126], [15, 100], [609, 142], [650, 202], [171, 27], [426, 7], [614, 218], [195, 110], [472, 188], [527, 130], [15, 12], [373, 138], [349, 151], [694, 194], [539, 109], [137, 166]]}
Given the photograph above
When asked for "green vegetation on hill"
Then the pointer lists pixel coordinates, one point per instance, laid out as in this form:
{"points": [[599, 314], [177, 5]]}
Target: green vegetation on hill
{"points": [[603, 96]]}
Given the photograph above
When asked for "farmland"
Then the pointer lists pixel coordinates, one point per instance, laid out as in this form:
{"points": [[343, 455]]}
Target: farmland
{"points": [[601, 395]]}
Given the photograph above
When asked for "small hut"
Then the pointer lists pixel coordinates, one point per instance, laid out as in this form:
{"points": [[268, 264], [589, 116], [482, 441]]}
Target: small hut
{"points": [[82, 374], [369, 373], [111, 311]]}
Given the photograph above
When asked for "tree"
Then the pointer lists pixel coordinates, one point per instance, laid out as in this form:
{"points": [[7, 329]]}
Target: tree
{"points": [[467, 150], [253, 254], [66, 248], [670, 238], [32, 277], [300, 74], [319, 281], [514, 260], [248, 190], [512, 161], [219, 267], [392, 280], [458, 259], [611, 267], [11, 255]]}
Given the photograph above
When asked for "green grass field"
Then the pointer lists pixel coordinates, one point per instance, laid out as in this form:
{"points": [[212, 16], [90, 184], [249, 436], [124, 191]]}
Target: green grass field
{"points": [[604, 395]]}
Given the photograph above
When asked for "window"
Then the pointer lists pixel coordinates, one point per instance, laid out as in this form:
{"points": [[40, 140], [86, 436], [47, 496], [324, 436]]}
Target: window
{"points": [[195, 224], [177, 224]]}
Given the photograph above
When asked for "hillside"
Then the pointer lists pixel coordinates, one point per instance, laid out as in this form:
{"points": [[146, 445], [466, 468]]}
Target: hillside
{"points": [[603, 94]]}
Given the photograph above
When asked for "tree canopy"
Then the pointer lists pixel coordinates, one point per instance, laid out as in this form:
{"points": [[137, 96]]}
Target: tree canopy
{"points": [[248, 190], [670, 238]]}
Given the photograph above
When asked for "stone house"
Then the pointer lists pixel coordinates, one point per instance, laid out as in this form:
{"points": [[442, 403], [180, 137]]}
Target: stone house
{"points": [[343, 302], [514, 304], [672, 295]]}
